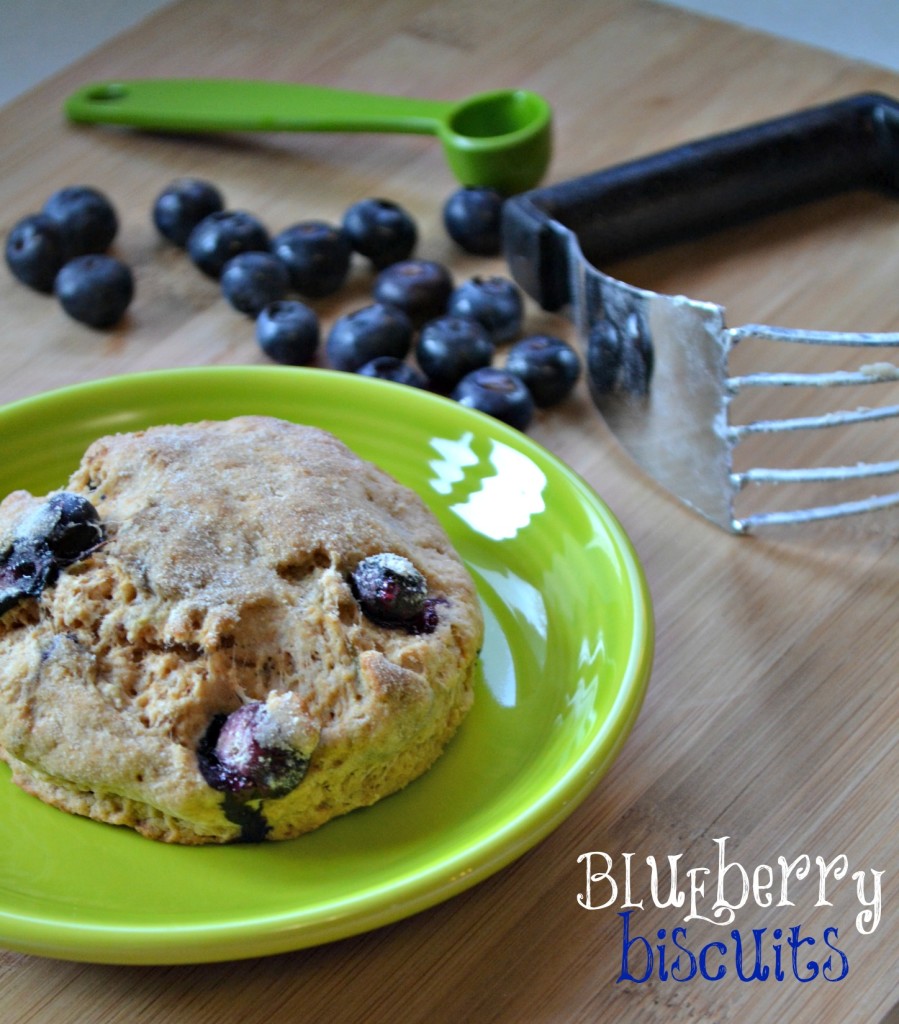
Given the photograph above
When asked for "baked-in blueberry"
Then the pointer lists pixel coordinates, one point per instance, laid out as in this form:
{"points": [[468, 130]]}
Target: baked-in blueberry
{"points": [[389, 589], [182, 204], [288, 332], [381, 231], [450, 347], [364, 334], [222, 235], [393, 369], [499, 393], [35, 251], [69, 525], [549, 367], [95, 289], [252, 280], [26, 567], [87, 220], [420, 288], [317, 256], [245, 755], [495, 302], [53, 535], [472, 217]]}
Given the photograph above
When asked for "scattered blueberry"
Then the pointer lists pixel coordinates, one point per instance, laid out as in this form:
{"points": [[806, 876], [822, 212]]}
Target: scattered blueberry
{"points": [[393, 369], [241, 755], [381, 231], [366, 333], [222, 235], [181, 206], [549, 367], [86, 218], [472, 217], [392, 592], [420, 288], [450, 347], [252, 280], [317, 256], [95, 289], [495, 302], [288, 332], [499, 393], [35, 251]]}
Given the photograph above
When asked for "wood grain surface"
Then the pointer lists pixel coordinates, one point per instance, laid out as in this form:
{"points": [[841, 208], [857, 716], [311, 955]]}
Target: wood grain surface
{"points": [[772, 714]]}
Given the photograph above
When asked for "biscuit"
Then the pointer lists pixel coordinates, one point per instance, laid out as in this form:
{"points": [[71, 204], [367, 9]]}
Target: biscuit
{"points": [[208, 670]]}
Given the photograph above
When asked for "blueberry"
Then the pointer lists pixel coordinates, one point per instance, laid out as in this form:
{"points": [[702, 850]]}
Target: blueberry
{"points": [[393, 369], [222, 235], [366, 333], [317, 256], [392, 592], [69, 525], [252, 280], [181, 206], [549, 367], [87, 219], [288, 332], [95, 289], [450, 347], [420, 288], [26, 567], [55, 534], [244, 754], [380, 230], [472, 217], [499, 393], [495, 302], [35, 251]]}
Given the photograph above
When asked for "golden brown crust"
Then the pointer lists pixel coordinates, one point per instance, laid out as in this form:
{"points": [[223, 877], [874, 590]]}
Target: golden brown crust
{"points": [[223, 580]]}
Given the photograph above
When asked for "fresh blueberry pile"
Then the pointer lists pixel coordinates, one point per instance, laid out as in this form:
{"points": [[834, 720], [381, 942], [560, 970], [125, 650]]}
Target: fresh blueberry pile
{"points": [[380, 230], [181, 206], [95, 289], [420, 327], [288, 332], [450, 347], [368, 333], [63, 250], [472, 217], [498, 392]]}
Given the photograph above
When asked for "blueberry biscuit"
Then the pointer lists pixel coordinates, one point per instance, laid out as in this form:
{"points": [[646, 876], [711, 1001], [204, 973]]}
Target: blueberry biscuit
{"points": [[228, 631]]}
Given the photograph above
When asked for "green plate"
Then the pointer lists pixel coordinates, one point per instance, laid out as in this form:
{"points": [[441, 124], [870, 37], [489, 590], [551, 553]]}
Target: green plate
{"points": [[565, 665]]}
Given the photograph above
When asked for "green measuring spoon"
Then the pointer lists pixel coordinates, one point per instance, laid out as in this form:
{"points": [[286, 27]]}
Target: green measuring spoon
{"points": [[499, 138]]}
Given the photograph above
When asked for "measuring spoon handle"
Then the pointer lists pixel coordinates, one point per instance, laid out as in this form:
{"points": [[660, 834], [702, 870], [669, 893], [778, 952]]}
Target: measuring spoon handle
{"points": [[222, 104]]}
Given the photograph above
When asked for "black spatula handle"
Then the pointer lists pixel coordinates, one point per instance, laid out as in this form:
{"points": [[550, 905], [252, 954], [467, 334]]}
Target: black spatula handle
{"points": [[699, 187]]}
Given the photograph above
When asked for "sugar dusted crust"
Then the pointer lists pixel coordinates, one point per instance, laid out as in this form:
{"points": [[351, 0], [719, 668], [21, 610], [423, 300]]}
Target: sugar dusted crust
{"points": [[223, 580]]}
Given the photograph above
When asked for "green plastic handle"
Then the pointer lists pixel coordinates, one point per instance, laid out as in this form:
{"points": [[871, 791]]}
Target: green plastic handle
{"points": [[500, 138], [219, 105]]}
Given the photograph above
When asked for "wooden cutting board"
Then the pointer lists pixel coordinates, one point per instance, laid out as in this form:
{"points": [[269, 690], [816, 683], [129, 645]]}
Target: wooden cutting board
{"points": [[772, 716]]}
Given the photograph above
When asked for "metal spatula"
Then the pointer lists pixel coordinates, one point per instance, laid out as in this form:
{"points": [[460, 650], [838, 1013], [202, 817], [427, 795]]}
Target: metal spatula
{"points": [[658, 364]]}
